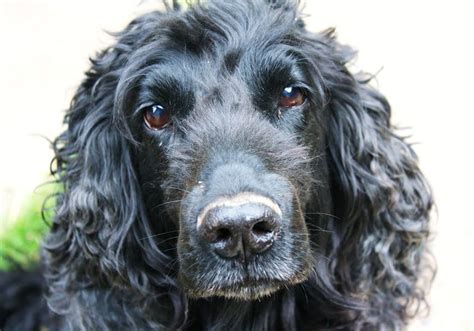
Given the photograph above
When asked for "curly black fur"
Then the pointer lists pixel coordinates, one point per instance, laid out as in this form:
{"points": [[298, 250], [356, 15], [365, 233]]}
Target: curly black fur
{"points": [[121, 254]]}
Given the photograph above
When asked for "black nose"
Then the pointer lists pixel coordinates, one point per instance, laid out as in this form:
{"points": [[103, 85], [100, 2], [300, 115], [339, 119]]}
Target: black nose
{"points": [[240, 230]]}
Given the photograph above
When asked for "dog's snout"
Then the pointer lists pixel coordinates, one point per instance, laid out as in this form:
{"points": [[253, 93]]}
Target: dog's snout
{"points": [[240, 227]]}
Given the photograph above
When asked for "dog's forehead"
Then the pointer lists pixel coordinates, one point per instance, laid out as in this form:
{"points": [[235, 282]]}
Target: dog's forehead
{"points": [[227, 35], [236, 24]]}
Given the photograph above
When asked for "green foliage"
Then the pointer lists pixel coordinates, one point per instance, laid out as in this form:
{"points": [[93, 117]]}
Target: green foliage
{"points": [[20, 242]]}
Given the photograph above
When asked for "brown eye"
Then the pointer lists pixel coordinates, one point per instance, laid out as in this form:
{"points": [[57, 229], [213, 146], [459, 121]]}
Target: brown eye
{"points": [[156, 117], [291, 96]]}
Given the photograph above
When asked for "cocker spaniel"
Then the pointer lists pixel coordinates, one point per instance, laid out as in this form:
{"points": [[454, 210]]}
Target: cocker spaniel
{"points": [[224, 170]]}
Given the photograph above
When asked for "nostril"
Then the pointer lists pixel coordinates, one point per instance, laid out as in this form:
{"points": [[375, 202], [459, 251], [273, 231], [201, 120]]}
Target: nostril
{"points": [[262, 234], [223, 234], [262, 228], [226, 242]]}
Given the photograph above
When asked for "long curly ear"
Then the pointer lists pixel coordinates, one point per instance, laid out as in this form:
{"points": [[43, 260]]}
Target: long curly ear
{"points": [[100, 223], [384, 204], [381, 198]]}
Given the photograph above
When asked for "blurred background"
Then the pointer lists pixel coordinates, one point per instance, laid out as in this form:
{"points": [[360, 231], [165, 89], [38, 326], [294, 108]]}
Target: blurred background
{"points": [[422, 50]]}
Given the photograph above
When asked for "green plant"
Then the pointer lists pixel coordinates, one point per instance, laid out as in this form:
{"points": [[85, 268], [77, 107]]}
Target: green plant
{"points": [[20, 242]]}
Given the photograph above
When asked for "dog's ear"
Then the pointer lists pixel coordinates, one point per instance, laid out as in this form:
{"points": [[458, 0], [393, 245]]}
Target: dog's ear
{"points": [[381, 198], [100, 226]]}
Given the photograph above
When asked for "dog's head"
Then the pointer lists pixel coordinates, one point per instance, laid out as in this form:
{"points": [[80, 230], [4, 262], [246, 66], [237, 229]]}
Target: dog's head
{"points": [[230, 128], [230, 149]]}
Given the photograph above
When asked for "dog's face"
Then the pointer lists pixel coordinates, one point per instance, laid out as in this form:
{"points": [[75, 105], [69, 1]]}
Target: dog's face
{"points": [[231, 146]]}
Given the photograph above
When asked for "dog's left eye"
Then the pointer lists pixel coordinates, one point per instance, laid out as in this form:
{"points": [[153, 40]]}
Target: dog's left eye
{"points": [[156, 116], [291, 96]]}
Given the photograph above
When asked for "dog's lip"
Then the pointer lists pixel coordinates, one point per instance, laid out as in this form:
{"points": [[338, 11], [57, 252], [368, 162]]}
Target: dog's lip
{"points": [[246, 287], [244, 290], [252, 282]]}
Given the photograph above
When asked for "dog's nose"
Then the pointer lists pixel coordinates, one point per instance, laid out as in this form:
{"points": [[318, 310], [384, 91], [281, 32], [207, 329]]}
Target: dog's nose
{"points": [[240, 230]]}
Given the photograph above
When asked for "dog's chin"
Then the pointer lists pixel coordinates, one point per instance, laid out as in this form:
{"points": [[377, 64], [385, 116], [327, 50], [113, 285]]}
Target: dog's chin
{"points": [[237, 291], [246, 291]]}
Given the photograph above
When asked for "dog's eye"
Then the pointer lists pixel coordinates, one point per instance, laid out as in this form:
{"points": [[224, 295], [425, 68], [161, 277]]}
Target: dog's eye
{"points": [[156, 117], [291, 96]]}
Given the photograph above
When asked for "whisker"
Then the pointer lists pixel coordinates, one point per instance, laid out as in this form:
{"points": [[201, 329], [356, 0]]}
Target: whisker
{"points": [[323, 214], [178, 189], [167, 203], [158, 234], [169, 239], [314, 227]]}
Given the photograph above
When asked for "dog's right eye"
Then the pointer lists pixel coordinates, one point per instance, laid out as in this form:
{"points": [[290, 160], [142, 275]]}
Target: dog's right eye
{"points": [[156, 117]]}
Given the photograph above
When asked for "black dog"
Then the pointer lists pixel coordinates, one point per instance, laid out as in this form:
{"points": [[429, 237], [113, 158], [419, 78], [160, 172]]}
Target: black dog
{"points": [[223, 169]]}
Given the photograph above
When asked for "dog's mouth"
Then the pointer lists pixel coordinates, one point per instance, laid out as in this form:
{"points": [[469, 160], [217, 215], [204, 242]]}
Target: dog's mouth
{"points": [[250, 289], [254, 280]]}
